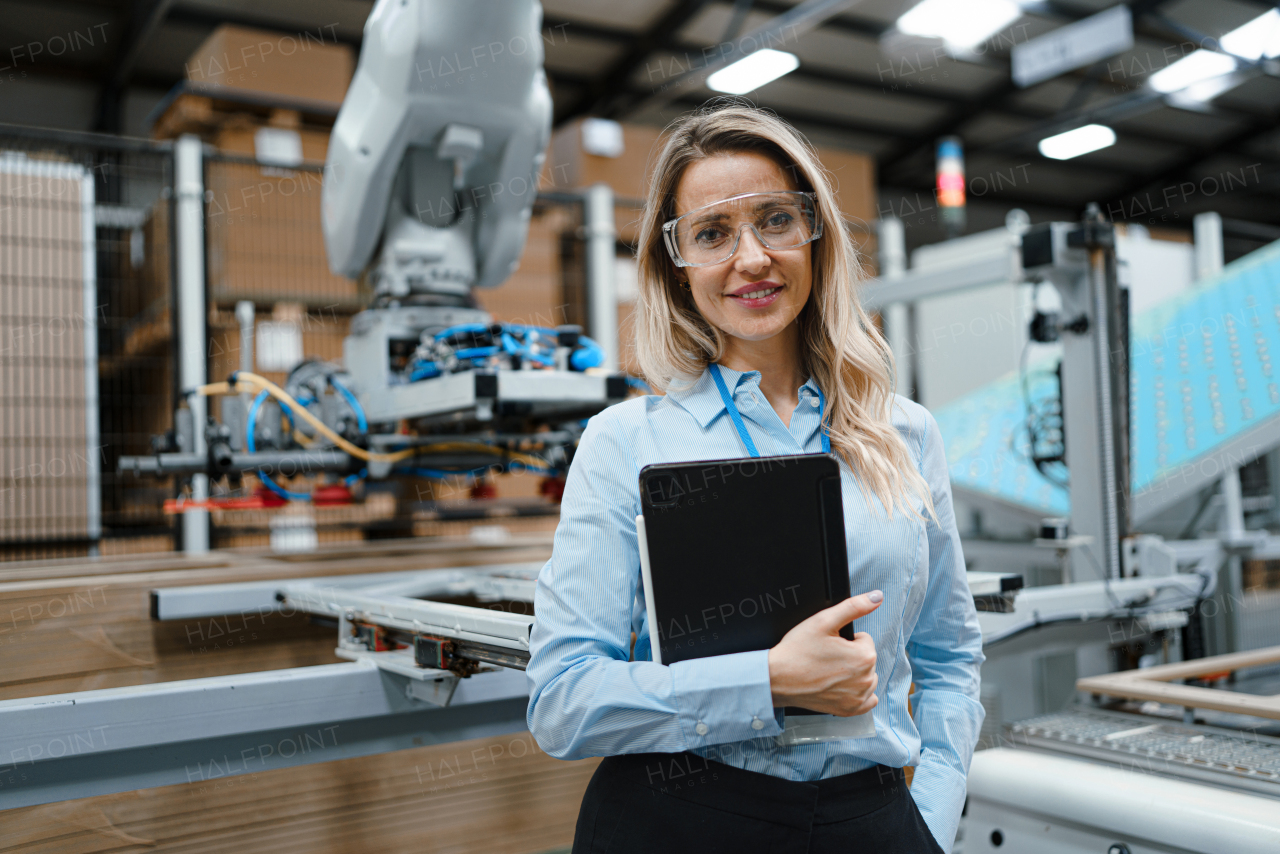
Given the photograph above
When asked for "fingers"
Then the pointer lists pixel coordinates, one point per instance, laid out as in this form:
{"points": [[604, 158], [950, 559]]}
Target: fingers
{"points": [[848, 711], [831, 620]]}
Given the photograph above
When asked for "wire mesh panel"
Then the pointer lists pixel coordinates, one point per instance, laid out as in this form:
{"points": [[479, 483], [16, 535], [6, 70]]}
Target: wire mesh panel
{"points": [[265, 245], [85, 341], [265, 242]]}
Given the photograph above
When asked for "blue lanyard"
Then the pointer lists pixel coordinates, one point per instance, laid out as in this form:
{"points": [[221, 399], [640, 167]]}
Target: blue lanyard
{"points": [[742, 428]]}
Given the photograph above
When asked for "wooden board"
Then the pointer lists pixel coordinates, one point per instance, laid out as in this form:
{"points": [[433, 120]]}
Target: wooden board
{"points": [[1153, 683]]}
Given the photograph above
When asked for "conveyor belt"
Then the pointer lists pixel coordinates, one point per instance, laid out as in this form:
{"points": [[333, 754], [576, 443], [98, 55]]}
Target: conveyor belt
{"points": [[1150, 745]]}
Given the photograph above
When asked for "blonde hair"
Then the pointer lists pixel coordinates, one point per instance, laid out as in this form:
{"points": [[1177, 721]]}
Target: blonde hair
{"points": [[840, 346]]}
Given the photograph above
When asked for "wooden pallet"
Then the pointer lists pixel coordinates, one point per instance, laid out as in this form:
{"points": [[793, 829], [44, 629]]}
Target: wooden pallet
{"points": [[206, 111]]}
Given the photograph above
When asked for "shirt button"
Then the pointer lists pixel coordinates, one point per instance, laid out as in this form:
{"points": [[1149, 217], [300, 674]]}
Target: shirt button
{"points": [[813, 401], [701, 728], [756, 723]]}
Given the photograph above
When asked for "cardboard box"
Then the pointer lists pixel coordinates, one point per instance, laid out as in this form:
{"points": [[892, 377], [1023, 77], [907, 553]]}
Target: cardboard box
{"points": [[569, 167], [265, 241], [306, 66]]}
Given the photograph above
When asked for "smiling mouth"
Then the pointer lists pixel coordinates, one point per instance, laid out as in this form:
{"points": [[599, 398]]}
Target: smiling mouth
{"points": [[760, 294]]}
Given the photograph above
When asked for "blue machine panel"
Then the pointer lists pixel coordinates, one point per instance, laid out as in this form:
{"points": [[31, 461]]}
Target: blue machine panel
{"points": [[1200, 375]]}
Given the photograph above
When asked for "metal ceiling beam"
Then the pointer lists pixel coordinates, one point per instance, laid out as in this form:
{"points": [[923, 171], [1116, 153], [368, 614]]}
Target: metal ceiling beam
{"points": [[840, 23], [203, 17], [800, 19], [144, 19], [602, 92], [1181, 171]]}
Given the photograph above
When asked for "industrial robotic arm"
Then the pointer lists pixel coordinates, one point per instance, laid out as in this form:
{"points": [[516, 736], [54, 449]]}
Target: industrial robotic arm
{"points": [[432, 175], [429, 187], [434, 159]]}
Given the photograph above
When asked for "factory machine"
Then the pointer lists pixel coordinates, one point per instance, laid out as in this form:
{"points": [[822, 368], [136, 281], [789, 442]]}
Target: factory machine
{"points": [[1152, 755], [427, 196]]}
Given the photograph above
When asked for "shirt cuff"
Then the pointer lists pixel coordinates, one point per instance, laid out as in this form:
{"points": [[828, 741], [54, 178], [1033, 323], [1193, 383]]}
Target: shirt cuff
{"points": [[939, 792], [724, 698]]}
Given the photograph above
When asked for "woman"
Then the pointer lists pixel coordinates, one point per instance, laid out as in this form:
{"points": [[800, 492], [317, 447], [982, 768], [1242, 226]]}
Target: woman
{"points": [[748, 308]]}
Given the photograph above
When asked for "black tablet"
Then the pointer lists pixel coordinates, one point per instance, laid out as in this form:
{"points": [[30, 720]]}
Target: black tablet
{"points": [[735, 553]]}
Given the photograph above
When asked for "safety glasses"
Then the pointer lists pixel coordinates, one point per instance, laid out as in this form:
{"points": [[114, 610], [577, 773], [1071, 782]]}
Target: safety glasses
{"points": [[785, 219]]}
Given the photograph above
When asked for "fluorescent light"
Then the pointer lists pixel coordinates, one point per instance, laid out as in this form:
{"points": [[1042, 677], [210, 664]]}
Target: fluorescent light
{"points": [[1194, 68], [1073, 143], [1258, 39], [1202, 76], [753, 71], [963, 24]]}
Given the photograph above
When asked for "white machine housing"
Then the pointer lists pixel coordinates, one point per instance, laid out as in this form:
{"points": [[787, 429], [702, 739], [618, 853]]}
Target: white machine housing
{"points": [[435, 155]]}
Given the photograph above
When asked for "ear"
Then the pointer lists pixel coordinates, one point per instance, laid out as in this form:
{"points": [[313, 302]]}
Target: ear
{"points": [[681, 279]]}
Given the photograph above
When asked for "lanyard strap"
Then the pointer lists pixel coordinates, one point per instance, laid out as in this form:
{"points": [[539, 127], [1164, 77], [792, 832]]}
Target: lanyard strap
{"points": [[742, 428]]}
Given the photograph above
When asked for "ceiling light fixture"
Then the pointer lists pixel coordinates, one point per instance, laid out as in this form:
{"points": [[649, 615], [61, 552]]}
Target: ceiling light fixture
{"points": [[1258, 39], [1197, 72], [1192, 69], [1073, 143], [753, 71], [962, 24]]}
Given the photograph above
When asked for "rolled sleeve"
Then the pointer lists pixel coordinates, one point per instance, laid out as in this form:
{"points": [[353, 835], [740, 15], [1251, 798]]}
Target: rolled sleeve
{"points": [[946, 654], [585, 697]]}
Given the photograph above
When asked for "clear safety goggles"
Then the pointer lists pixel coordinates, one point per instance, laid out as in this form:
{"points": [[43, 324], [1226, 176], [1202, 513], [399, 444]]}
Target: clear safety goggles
{"points": [[708, 235]]}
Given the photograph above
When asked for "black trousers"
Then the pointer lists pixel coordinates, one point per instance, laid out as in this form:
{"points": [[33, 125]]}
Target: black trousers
{"points": [[670, 803]]}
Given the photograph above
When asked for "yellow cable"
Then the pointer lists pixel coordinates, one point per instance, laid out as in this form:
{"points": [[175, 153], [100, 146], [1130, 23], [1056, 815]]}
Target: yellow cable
{"points": [[214, 389], [260, 383], [527, 459]]}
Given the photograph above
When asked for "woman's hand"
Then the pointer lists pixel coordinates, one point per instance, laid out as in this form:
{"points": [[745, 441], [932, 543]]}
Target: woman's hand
{"points": [[814, 668]]}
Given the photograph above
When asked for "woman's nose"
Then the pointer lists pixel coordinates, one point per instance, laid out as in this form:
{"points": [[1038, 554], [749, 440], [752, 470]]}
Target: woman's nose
{"points": [[751, 255]]}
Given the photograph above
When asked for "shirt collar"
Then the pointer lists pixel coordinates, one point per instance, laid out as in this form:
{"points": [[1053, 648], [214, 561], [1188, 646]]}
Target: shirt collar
{"points": [[701, 399]]}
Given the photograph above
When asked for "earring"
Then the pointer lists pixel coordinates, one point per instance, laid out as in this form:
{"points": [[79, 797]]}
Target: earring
{"points": [[684, 284]]}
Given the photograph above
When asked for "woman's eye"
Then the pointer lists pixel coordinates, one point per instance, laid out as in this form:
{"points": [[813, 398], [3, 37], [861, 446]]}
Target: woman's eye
{"points": [[708, 236], [778, 220]]}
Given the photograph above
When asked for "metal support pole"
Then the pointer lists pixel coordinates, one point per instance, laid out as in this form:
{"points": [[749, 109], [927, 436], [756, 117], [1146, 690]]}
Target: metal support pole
{"points": [[245, 312], [1111, 531], [244, 316], [189, 222], [1208, 245], [1094, 386], [602, 297], [896, 316], [92, 408], [1230, 583]]}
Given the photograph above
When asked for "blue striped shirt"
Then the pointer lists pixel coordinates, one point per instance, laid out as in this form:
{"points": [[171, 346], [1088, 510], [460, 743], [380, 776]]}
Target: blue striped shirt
{"points": [[587, 698]]}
